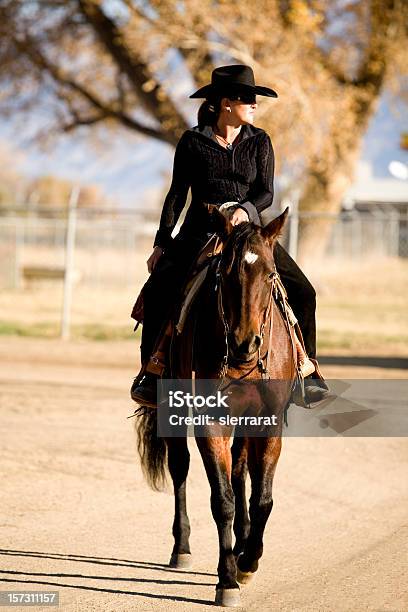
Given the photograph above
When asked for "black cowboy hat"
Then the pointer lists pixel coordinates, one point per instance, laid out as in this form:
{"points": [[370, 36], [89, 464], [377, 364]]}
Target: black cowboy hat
{"points": [[233, 79]]}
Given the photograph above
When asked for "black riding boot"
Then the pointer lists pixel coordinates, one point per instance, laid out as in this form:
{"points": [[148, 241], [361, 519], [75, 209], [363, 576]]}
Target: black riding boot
{"points": [[316, 390], [144, 392], [144, 387]]}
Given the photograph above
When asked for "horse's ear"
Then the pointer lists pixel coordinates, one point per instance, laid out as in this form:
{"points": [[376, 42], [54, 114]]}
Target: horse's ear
{"points": [[222, 225], [274, 228]]}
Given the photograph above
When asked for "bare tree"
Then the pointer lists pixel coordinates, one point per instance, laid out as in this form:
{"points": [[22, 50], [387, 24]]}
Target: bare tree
{"points": [[93, 61]]}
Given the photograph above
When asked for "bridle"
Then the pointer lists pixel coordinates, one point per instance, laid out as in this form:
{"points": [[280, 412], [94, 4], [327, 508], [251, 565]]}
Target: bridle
{"points": [[263, 363]]}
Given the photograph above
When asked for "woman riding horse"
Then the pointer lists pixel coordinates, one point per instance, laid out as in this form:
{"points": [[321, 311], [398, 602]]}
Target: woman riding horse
{"points": [[225, 157]]}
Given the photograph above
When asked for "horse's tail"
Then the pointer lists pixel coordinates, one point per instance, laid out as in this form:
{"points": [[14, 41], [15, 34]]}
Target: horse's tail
{"points": [[151, 448]]}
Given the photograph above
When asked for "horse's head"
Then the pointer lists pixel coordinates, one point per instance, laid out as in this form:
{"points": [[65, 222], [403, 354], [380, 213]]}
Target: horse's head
{"points": [[245, 275]]}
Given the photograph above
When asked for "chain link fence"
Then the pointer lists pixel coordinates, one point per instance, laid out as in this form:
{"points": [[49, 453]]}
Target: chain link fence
{"points": [[111, 247]]}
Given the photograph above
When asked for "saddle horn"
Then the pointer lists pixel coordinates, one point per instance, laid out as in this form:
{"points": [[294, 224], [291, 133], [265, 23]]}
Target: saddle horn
{"points": [[222, 224]]}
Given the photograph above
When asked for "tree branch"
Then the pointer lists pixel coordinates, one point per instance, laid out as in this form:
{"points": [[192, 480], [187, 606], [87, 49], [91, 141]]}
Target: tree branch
{"points": [[153, 99], [78, 121], [28, 47], [373, 66]]}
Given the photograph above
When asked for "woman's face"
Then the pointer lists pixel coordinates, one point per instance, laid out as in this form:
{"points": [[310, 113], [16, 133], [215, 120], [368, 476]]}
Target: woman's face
{"points": [[242, 111]]}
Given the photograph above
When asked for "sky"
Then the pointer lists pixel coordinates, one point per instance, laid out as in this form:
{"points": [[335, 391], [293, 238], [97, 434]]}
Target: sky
{"points": [[381, 143], [132, 169]]}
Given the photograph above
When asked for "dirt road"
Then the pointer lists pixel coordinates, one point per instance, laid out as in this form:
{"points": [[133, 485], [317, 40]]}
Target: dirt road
{"points": [[77, 517]]}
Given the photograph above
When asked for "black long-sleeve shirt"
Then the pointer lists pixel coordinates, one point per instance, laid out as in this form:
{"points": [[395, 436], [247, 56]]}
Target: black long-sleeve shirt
{"points": [[216, 175]]}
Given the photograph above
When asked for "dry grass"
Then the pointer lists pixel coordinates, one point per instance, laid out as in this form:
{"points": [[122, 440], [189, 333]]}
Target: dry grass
{"points": [[362, 307]]}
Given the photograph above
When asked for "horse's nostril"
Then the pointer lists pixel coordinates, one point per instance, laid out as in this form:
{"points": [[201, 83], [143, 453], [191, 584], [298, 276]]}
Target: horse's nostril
{"points": [[247, 347], [254, 344], [244, 347], [257, 341]]}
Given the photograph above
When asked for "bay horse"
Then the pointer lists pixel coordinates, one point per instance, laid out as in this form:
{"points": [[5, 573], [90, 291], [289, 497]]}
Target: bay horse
{"points": [[233, 315]]}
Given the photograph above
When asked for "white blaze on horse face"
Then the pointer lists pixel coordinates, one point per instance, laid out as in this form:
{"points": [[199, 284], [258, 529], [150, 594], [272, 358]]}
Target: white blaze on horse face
{"points": [[250, 257]]}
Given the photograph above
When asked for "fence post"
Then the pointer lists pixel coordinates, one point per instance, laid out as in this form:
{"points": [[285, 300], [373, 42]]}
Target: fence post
{"points": [[294, 225], [394, 224], [18, 248], [69, 263]]}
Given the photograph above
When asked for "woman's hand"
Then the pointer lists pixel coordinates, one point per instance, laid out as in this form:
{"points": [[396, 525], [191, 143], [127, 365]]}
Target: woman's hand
{"points": [[154, 258], [239, 216]]}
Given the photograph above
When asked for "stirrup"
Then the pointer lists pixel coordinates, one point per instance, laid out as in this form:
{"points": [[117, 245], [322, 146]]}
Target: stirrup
{"points": [[298, 391], [307, 367], [319, 374]]}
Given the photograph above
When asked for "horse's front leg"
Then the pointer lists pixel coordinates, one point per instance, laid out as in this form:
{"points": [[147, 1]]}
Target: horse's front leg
{"points": [[216, 454], [178, 458], [239, 452], [263, 455]]}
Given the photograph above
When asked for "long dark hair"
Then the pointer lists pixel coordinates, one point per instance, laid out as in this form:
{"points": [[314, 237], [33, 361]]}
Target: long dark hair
{"points": [[208, 112]]}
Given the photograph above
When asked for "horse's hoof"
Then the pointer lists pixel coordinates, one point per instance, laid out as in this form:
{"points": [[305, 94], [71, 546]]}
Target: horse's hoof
{"points": [[181, 561], [229, 598], [244, 577]]}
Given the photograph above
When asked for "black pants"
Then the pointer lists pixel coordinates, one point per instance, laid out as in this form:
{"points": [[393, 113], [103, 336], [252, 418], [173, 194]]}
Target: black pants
{"points": [[165, 283], [301, 296]]}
